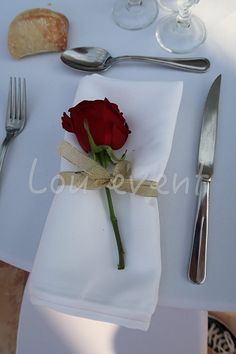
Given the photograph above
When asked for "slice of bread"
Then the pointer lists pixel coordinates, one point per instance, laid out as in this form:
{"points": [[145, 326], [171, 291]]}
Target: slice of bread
{"points": [[36, 31]]}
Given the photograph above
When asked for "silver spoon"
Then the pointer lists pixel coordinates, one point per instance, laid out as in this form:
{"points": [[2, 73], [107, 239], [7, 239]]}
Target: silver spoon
{"points": [[95, 59]]}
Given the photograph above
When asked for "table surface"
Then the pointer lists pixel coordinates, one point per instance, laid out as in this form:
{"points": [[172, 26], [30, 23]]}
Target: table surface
{"points": [[28, 183]]}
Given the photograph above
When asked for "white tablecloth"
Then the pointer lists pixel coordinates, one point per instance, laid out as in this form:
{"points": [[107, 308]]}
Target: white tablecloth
{"points": [[32, 161]]}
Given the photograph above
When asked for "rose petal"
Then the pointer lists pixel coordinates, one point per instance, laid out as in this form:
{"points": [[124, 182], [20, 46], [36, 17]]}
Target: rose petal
{"points": [[67, 123]]}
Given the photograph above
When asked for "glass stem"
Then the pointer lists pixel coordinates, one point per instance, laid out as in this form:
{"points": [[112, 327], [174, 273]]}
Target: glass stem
{"points": [[134, 2], [184, 16]]}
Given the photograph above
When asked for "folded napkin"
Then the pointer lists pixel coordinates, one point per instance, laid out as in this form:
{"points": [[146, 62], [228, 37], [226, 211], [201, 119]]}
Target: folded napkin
{"points": [[75, 267]]}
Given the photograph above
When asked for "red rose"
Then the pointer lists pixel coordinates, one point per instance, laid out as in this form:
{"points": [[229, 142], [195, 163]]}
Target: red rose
{"points": [[106, 123]]}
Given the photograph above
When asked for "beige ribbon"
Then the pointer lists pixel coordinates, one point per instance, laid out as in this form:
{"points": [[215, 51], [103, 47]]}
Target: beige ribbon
{"points": [[94, 176]]}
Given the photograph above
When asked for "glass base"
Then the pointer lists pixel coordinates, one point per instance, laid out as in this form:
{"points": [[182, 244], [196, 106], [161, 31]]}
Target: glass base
{"points": [[169, 5], [129, 16], [180, 39]]}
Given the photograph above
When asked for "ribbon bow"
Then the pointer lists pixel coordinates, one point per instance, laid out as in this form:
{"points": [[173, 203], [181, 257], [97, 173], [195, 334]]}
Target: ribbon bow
{"points": [[94, 176]]}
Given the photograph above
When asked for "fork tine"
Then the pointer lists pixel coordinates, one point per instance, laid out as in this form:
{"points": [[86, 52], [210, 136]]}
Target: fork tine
{"points": [[23, 101], [14, 100], [18, 105], [9, 102]]}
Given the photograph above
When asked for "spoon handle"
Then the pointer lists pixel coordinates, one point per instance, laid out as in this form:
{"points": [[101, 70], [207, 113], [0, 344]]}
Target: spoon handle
{"points": [[198, 65]]}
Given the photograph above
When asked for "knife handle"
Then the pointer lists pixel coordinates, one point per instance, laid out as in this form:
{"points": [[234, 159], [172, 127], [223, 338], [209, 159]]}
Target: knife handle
{"points": [[197, 268]]}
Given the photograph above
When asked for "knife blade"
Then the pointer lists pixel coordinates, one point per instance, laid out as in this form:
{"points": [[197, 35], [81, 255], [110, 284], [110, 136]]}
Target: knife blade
{"points": [[198, 260]]}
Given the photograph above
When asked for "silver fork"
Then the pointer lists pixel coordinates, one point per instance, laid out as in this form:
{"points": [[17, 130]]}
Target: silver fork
{"points": [[16, 114]]}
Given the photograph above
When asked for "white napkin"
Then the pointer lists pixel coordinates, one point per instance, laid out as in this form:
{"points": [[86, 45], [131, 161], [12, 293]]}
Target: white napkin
{"points": [[75, 268]]}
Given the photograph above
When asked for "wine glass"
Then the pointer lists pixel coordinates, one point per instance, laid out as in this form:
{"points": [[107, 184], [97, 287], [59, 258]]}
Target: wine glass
{"points": [[181, 32], [169, 5], [135, 14]]}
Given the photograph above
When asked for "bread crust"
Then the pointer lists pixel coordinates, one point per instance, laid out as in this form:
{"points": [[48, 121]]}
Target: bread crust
{"points": [[36, 31]]}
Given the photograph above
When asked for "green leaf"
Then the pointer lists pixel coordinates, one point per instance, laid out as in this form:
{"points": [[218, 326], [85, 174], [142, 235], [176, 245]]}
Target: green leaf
{"points": [[112, 156], [123, 156]]}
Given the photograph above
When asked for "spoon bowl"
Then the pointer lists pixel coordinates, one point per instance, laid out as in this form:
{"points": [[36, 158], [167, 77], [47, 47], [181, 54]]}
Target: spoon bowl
{"points": [[87, 59], [94, 59]]}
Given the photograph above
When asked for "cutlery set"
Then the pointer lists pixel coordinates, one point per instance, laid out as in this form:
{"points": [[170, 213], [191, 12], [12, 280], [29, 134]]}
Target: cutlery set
{"points": [[93, 59]]}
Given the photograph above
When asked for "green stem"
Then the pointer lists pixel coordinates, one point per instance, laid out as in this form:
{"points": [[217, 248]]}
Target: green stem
{"points": [[113, 218], [114, 221]]}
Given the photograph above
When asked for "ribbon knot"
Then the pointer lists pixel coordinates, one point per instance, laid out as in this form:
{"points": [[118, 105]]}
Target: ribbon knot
{"points": [[93, 176]]}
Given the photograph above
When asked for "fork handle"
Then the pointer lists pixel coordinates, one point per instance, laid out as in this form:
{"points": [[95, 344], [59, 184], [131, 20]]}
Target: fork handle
{"points": [[3, 149]]}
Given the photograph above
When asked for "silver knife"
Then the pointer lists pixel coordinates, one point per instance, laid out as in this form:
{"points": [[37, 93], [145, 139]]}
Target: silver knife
{"points": [[197, 268]]}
